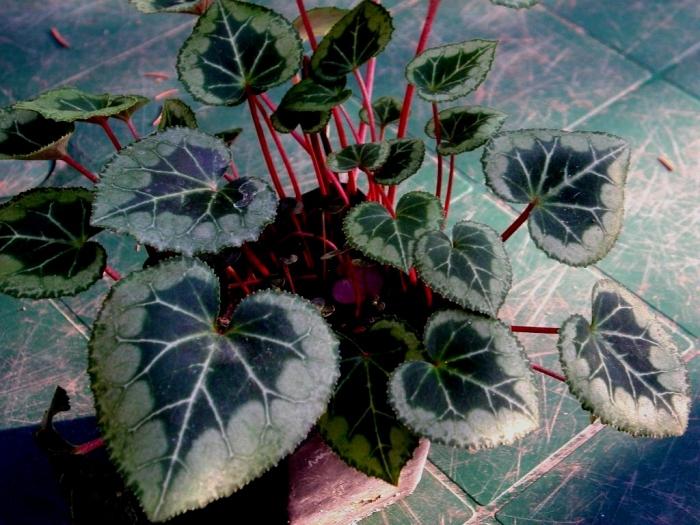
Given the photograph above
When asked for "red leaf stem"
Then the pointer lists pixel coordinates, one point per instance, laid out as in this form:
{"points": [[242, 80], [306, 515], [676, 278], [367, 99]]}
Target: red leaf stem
{"points": [[520, 219], [548, 372], [112, 273], [86, 448], [102, 121], [264, 146], [535, 329], [367, 103], [450, 178], [65, 157], [255, 261], [438, 134]]}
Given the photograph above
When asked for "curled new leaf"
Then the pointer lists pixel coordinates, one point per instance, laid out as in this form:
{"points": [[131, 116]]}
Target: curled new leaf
{"points": [[576, 182], [26, 135], [237, 47], [475, 391], [191, 414], [45, 249], [168, 191], [623, 367], [465, 128]]}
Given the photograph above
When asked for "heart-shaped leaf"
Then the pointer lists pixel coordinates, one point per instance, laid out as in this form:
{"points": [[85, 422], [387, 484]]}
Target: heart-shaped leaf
{"points": [[194, 7], [322, 19], [370, 228], [405, 159], [449, 72], [465, 128], [576, 182], [360, 35], [623, 367], [44, 246], [68, 104], [189, 414], [236, 47], [26, 135], [472, 269], [476, 391], [309, 95], [359, 423], [516, 4], [386, 111], [168, 191], [369, 157], [176, 113], [286, 121]]}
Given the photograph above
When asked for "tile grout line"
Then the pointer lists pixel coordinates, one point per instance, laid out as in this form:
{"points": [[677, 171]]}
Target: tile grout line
{"points": [[74, 322]]}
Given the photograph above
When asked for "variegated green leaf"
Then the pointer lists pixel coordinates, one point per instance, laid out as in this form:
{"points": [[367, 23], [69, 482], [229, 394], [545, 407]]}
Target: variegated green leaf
{"points": [[516, 4], [68, 104], [576, 182], [322, 19], [475, 391], [309, 95], [168, 191], [44, 244], [623, 367], [236, 47], [386, 111], [285, 121], [369, 157], [452, 71], [358, 36], [359, 423], [194, 7], [26, 135], [176, 113], [465, 128], [370, 228], [471, 269], [191, 414], [405, 159]]}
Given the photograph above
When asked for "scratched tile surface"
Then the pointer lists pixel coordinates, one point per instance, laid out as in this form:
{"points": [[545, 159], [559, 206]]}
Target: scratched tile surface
{"points": [[576, 64]]}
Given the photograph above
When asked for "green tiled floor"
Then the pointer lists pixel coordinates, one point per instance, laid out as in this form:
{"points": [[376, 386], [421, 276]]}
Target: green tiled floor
{"points": [[629, 67]]}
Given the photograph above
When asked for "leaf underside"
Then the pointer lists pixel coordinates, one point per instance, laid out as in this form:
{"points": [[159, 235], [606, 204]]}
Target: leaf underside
{"points": [[26, 135], [404, 159], [168, 191], [465, 128], [171, 6], [358, 36], [386, 111], [44, 247], [471, 269], [476, 391], [191, 415], [176, 113], [448, 72], [368, 156], [322, 19], [623, 367], [577, 180], [359, 424], [236, 47], [68, 104], [370, 228]]}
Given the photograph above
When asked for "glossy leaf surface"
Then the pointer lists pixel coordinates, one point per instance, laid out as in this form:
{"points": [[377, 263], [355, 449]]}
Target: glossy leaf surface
{"points": [[309, 95], [26, 135], [577, 181], [386, 111], [359, 424], [369, 156], [465, 128], [475, 392], [168, 191], [176, 113], [404, 159], [286, 121], [45, 249], [190, 414], [623, 367], [471, 269], [371, 229]]}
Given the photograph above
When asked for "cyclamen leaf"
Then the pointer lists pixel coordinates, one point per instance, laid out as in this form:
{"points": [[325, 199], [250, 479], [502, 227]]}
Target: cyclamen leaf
{"points": [[623, 367], [322, 20], [360, 35], [191, 415], [168, 191], [236, 47], [308, 95], [449, 72], [176, 113], [285, 121], [386, 111], [405, 159], [359, 424], [229, 135], [476, 391], [576, 181], [68, 104], [517, 4], [472, 269], [465, 128], [370, 228], [26, 135], [44, 246], [369, 156], [194, 7]]}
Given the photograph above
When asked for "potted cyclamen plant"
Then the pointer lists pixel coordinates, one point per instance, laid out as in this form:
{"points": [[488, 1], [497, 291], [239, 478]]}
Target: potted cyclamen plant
{"points": [[261, 313]]}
